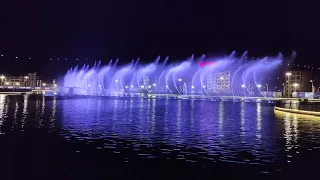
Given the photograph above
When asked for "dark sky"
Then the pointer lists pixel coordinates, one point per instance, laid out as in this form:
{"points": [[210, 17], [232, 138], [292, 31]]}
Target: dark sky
{"points": [[140, 28]]}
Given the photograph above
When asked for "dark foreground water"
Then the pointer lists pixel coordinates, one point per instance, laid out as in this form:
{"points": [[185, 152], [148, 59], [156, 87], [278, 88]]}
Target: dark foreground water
{"points": [[153, 139]]}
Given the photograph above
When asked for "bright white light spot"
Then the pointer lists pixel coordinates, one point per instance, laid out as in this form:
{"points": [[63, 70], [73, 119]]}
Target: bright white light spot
{"points": [[126, 87], [192, 87], [221, 78], [154, 84], [259, 85]]}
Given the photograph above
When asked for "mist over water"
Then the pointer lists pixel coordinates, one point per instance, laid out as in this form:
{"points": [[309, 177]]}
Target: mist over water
{"points": [[190, 76]]}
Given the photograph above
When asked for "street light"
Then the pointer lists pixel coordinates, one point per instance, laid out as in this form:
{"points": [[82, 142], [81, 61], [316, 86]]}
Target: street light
{"points": [[221, 78], [203, 86], [131, 86], [55, 85], [142, 87], [259, 85], [192, 87], [154, 84], [126, 87], [44, 84], [243, 86], [179, 80], [288, 74]]}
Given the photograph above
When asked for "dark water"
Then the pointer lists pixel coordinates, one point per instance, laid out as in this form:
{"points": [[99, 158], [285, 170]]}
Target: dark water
{"points": [[153, 139]]}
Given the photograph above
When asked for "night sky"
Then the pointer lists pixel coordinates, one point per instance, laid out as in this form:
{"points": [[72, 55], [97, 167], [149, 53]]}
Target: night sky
{"points": [[129, 29]]}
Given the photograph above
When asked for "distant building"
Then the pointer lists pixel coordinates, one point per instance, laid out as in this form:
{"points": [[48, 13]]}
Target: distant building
{"points": [[297, 81], [219, 82], [16, 81], [32, 80]]}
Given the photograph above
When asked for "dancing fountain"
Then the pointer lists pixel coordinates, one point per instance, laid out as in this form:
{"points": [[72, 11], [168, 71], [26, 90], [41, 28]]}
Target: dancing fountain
{"points": [[215, 78]]}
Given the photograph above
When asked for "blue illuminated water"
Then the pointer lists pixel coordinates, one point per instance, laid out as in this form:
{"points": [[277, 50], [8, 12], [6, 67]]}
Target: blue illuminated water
{"points": [[152, 138]]}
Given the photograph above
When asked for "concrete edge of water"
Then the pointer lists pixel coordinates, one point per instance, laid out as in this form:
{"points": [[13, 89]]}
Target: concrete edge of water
{"points": [[313, 113]]}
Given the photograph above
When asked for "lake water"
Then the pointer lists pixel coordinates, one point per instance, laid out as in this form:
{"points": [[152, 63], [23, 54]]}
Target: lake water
{"points": [[93, 138]]}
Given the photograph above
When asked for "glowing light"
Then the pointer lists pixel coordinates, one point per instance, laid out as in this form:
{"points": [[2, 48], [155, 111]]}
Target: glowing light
{"points": [[1, 54], [243, 86], [2, 77], [89, 85], [126, 87], [203, 86], [99, 85], [167, 86], [192, 87], [288, 74], [7, 83], [131, 86], [154, 84], [149, 86], [17, 84], [44, 84], [221, 78], [26, 77], [142, 87], [295, 85], [179, 80], [205, 64], [55, 85], [259, 85], [16, 57], [116, 80]]}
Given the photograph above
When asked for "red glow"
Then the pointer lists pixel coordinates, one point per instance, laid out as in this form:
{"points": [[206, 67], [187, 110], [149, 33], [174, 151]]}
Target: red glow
{"points": [[205, 63]]}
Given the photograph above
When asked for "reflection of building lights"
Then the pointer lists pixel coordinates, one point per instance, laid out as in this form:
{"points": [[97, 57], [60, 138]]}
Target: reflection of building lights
{"points": [[192, 87]]}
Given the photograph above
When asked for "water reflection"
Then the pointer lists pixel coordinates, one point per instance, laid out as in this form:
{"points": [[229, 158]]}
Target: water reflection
{"points": [[187, 130]]}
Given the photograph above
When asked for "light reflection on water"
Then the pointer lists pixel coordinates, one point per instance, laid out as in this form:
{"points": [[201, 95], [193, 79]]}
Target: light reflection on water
{"points": [[188, 130]]}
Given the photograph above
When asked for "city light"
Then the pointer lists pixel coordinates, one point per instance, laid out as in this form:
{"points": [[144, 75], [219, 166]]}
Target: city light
{"points": [[192, 87], [288, 74], [26, 77], [55, 85], [243, 86], [203, 86], [2, 77], [295, 85], [167, 86], [44, 84], [142, 87], [221, 78], [154, 84], [89, 85], [116, 80], [17, 84], [179, 80], [259, 85], [149, 86], [126, 87], [131, 86], [7, 83]]}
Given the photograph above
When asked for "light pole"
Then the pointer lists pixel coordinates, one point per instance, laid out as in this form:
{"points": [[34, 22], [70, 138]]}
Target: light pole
{"points": [[25, 81], [267, 88], [288, 74], [2, 79], [312, 87]]}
